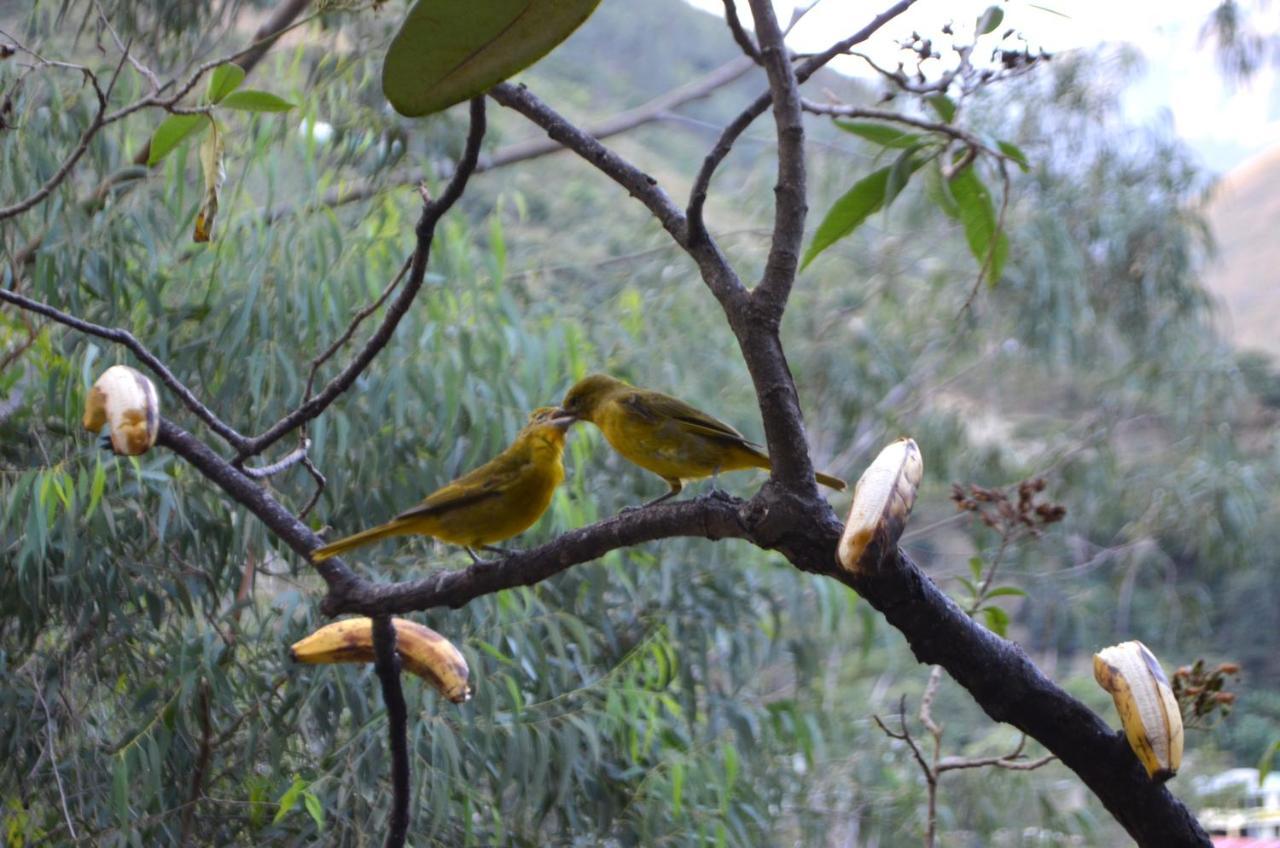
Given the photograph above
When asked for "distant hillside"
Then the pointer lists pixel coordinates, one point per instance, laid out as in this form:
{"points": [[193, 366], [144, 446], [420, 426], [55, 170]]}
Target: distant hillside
{"points": [[1245, 216]]}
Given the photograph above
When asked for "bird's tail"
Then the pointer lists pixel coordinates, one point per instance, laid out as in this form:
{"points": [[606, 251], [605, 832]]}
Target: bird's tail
{"points": [[830, 482], [364, 537], [760, 459]]}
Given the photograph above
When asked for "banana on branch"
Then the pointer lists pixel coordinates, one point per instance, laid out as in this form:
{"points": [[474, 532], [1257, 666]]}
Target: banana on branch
{"points": [[1148, 710], [882, 502]]}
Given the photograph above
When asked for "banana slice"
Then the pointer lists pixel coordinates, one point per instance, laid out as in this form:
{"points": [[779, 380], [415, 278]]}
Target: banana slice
{"points": [[423, 652], [882, 502], [1148, 710], [125, 399]]}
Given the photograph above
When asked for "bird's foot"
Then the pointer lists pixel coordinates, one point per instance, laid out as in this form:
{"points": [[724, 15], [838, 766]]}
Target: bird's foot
{"points": [[502, 552]]}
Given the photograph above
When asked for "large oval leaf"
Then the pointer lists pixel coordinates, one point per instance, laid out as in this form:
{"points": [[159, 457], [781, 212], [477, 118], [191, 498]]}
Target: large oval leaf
{"points": [[448, 51]]}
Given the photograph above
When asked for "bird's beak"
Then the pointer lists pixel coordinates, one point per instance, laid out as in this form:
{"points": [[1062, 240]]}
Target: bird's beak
{"points": [[562, 419]]}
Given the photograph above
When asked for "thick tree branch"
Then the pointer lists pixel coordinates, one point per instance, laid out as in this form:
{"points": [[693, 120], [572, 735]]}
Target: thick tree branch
{"points": [[386, 663], [1005, 683], [711, 517], [432, 212]]}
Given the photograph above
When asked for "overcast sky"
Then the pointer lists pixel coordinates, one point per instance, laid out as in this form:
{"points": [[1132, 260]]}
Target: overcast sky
{"points": [[1225, 125]]}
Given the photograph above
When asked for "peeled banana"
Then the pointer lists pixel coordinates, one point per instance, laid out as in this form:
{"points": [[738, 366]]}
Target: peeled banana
{"points": [[882, 501], [1148, 710], [126, 399], [423, 652]]}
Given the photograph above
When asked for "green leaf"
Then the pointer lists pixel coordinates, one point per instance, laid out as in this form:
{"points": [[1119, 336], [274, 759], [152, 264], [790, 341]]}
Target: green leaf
{"points": [[943, 105], [1015, 153], [677, 787], [975, 567], [1267, 763], [990, 19], [224, 80], [174, 130], [730, 767], [977, 214], [900, 172], [290, 798], [315, 808], [848, 213], [252, 100], [96, 488], [997, 620], [120, 788], [448, 51], [881, 134], [1006, 591]]}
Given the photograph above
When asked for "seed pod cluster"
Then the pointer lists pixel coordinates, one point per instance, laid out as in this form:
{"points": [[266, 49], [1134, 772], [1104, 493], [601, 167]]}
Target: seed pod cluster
{"points": [[124, 399]]}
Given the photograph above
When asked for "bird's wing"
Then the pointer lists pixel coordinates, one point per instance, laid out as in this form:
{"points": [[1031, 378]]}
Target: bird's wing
{"points": [[656, 407], [487, 481]]}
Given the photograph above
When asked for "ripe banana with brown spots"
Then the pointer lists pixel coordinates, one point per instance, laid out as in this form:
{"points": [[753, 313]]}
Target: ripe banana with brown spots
{"points": [[423, 652]]}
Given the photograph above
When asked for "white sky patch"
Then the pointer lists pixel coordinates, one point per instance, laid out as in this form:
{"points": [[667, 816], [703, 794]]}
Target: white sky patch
{"points": [[1224, 123]]}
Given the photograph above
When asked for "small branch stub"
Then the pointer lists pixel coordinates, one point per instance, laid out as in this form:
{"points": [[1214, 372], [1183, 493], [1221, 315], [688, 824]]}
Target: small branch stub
{"points": [[125, 399], [1148, 709], [882, 502], [423, 652]]}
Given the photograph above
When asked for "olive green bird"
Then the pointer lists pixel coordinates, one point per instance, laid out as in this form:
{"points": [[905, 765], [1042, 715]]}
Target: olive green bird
{"points": [[496, 501], [665, 435]]}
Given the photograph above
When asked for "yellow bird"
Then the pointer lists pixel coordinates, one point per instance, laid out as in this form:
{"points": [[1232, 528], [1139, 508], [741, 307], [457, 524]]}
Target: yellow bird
{"points": [[498, 500], [664, 434]]}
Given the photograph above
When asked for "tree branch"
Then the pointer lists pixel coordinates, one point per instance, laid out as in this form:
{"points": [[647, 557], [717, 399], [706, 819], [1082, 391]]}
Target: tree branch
{"points": [[708, 517], [386, 663], [701, 184], [637, 183], [790, 207], [126, 339], [280, 22], [740, 35], [432, 212], [712, 264]]}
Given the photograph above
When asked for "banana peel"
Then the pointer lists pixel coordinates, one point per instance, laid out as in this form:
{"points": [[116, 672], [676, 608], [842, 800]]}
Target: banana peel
{"points": [[1148, 709], [882, 502], [423, 652], [126, 400]]}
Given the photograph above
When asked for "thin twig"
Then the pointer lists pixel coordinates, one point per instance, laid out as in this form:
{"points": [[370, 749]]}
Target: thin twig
{"points": [[432, 212], [351, 327], [293, 457], [202, 765], [127, 339], [702, 183], [53, 752], [321, 482]]}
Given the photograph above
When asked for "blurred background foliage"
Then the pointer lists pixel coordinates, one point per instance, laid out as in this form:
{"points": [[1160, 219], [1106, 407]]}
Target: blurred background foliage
{"points": [[683, 693]]}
